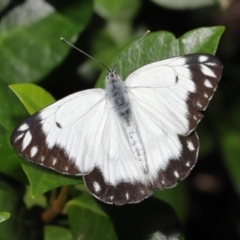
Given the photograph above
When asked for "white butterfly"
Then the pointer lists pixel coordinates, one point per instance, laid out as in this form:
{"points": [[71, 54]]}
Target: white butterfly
{"points": [[131, 138]]}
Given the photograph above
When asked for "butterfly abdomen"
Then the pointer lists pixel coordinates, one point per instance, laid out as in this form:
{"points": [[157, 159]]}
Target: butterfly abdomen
{"points": [[136, 145]]}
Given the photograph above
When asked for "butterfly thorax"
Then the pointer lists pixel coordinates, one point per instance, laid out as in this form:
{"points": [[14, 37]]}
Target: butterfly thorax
{"points": [[116, 92], [117, 95]]}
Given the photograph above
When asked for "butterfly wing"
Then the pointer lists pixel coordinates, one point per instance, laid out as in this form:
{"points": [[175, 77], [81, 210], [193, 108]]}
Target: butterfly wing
{"points": [[167, 99], [57, 136], [117, 177], [82, 135]]}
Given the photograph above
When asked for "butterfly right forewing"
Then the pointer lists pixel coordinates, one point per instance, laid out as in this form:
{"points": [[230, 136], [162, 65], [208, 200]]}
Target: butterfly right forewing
{"points": [[167, 107]]}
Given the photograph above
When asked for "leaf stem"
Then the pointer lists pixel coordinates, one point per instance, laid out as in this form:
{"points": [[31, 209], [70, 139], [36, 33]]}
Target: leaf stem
{"points": [[57, 205]]}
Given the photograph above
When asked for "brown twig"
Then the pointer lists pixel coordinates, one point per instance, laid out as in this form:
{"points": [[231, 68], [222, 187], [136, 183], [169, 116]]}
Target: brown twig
{"points": [[57, 206]]}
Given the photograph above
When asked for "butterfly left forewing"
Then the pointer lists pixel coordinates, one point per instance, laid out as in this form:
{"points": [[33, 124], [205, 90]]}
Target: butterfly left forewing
{"points": [[56, 137], [30, 141]]}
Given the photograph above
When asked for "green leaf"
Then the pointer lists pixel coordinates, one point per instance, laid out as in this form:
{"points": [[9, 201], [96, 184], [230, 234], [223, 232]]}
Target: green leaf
{"points": [[161, 45], [4, 4], [8, 202], [32, 96], [4, 216], [200, 40], [33, 201], [11, 113], [185, 4], [119, 14], [20, 225], [57, 233], [88, 221], [121, 10], [42, 180], [30, 38]]}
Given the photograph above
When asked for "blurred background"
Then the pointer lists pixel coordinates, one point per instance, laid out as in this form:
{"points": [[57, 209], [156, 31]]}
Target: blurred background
{"points": [[207, 202]]}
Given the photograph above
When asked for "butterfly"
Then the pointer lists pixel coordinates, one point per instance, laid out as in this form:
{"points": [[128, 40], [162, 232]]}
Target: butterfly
{"points": [[132, 137]]}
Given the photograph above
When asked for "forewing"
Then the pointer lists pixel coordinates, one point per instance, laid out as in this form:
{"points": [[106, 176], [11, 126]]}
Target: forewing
{"points": [[185, 85], [59, 135], [166, 112]]}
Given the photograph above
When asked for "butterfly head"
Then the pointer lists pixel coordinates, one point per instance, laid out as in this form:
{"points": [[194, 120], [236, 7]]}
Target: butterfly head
{"points": [[112, 76]]}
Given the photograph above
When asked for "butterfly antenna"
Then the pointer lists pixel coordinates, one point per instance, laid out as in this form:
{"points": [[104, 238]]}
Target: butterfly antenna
{"points": [[146, 33], [64, 40]]}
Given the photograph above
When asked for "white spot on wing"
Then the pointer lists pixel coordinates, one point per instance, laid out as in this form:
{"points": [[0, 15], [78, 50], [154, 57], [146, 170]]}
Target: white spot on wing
{"points": [[202, 58], [188, 164], [18, 137], [207, 71], [190, 146], [42, 158], [211, 64], [205, 95], [127, 196], [23, 127], [27, 139], [96, 187], [176, 174], [208, 84], [199, 104], [54, 161], [111, 197], [33, 151], [163, 182]]}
